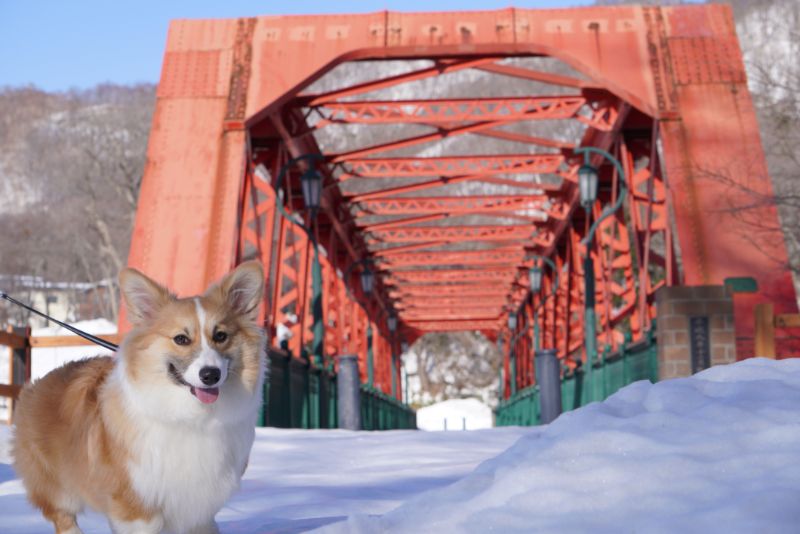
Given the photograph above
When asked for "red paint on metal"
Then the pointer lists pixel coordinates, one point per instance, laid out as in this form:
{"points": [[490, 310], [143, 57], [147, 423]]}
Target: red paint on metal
{"points": [[231, 94]]}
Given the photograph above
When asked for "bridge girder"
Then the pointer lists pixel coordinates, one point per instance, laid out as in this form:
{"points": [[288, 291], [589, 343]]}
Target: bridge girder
{"points": [[234, 98]]}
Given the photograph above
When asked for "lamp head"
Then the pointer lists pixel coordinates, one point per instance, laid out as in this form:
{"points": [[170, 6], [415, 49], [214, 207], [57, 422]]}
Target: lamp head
{"points": [[367, 280], [512, 321], [311, 182], [535, 277], [587, 185]]}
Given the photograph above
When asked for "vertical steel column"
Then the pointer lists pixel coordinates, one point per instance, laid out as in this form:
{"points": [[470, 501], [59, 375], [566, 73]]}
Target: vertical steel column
{"points": [[348, 393], [370, 357], [589, 321], [318, 327], [549, 379]]}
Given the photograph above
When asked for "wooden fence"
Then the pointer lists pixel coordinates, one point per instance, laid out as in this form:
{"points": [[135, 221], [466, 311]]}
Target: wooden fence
{"points": [[19, 342]]}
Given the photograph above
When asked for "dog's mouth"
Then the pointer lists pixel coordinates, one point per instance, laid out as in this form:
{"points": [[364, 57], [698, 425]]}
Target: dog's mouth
{"points": [[204, 395]]}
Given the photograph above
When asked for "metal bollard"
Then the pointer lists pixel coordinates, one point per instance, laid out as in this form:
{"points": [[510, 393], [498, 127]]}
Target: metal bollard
{"points": [[348, 393], [548, 376]]}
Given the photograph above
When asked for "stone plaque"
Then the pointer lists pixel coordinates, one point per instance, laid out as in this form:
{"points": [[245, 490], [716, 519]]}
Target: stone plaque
{"points": [[699, 343]]}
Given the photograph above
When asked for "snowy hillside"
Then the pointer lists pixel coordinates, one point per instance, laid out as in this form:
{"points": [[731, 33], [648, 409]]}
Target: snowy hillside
{"points": [[718, 452]]}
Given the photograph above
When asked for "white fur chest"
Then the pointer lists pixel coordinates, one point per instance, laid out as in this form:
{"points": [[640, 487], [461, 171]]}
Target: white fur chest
{"points": [[189, 472]]}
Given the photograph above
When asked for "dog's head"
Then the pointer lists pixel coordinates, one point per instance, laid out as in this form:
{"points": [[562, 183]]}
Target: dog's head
{"points": [[193, 356]]}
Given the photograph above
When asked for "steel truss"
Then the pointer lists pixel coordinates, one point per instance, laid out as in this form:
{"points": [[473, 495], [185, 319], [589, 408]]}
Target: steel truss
{"points": [[231, 112]]}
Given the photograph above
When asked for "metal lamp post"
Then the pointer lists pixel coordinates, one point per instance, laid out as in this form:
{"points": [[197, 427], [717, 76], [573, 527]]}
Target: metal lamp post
{"points": [[548, 375], [404, 350], [535, 278], [587, 185], [500, 388], [512, 356], [349, 383], [311, 183], [391, 322], [367, 279]]}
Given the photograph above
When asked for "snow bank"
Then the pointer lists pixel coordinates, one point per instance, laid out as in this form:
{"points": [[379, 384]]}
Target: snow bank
{"points": [[455, 414], [719, 451]]}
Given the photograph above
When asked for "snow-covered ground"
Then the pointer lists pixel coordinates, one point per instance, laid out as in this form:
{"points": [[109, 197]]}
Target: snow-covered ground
{"points": [[718, 452], [455, 414], [301, 479]]}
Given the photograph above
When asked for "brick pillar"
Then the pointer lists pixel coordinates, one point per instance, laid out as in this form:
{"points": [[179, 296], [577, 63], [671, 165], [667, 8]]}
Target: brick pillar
{"points": [[682, 312]]}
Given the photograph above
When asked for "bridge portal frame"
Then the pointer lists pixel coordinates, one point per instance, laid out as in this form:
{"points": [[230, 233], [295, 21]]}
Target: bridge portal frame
{"points": [[675, 74]]}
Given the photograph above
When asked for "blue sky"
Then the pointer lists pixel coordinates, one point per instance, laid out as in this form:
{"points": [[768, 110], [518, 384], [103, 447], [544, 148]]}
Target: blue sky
{"points": [[62, 44]]}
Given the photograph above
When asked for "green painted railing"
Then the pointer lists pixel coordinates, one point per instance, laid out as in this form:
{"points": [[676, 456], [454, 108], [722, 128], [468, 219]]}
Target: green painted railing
{"points": [[298, 395], [380, 411], [635, 361]]}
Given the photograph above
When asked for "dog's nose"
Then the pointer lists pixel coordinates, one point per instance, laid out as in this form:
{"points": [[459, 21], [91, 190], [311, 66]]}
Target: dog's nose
{"points": [[210, 375]]}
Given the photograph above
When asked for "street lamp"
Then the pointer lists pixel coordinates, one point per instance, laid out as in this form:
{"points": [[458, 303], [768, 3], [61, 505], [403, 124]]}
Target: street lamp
{"points": [[391, 322], [535, 275], [512, 356], [547, 374], [512, 321], [367, 278], [535, 278], [311, 183], [587, 182]]}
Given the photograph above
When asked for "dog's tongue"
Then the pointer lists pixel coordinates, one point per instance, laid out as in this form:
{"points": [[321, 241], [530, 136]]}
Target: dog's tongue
{"points": [[206, 396]]}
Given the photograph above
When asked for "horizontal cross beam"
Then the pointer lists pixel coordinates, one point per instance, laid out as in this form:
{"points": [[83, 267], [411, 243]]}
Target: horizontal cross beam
{"points": [[438, 111], [461, 257], [441, 275], [412, 234], [413, 290], [437, 325], [451, 205], [427, 303], [453, 166]]}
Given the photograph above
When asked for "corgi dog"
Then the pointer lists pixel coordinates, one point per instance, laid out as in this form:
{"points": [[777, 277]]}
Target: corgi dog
{"points": [[158, 437]]}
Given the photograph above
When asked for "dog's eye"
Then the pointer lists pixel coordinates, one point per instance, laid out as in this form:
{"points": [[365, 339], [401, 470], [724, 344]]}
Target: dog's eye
{"points": [[180, 339], [220, 337]]}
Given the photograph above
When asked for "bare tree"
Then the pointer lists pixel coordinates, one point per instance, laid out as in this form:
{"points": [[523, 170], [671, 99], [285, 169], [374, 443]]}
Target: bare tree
{"points": [[75, 161]]}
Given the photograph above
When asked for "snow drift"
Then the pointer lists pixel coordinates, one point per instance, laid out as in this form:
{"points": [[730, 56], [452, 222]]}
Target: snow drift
{"points": [[717, 452]]}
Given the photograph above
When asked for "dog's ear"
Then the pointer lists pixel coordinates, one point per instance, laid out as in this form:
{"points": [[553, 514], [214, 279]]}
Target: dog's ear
{"points": [[243, 288], [143, 297]]}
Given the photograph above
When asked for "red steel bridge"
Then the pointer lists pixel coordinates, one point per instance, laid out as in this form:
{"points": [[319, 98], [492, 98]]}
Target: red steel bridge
{"points": [[449, 147]]}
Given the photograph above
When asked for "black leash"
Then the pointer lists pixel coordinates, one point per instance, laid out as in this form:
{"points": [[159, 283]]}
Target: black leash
{"points": [[84, 335]]}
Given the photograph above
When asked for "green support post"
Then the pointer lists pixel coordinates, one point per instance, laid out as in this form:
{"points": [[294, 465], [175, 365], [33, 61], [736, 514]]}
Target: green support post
{"points": [[370, 364], [512, 362], [394, 375], [318, 327], [500, 377], [589, 325]]}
